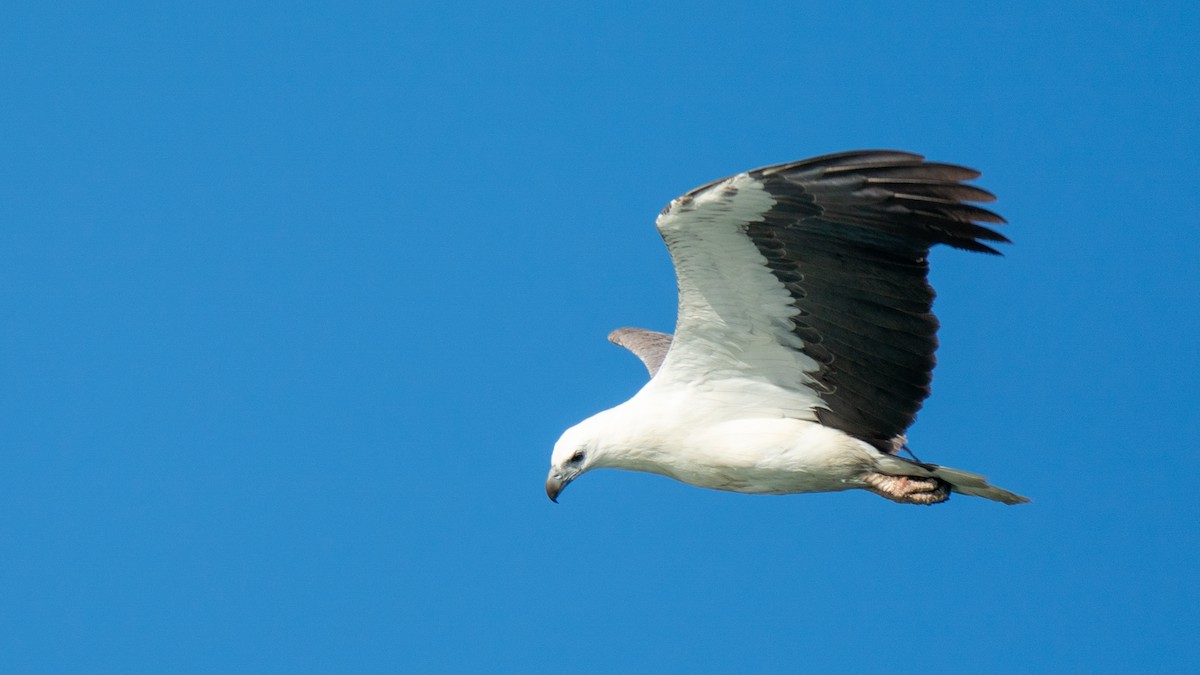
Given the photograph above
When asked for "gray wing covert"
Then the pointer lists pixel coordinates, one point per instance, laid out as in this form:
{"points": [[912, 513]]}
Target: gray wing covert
{"points": [[648, 345]]}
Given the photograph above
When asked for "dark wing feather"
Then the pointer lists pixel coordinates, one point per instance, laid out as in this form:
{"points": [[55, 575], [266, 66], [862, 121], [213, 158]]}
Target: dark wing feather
{"points": [[849, 237]]}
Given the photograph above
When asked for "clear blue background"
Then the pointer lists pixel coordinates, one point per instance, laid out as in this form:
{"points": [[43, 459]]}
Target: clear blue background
{"points": [[295, 299]]}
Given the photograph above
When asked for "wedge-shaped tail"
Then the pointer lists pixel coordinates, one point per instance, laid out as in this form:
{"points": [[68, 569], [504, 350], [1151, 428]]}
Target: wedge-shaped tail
{"points": [[960, 481]]}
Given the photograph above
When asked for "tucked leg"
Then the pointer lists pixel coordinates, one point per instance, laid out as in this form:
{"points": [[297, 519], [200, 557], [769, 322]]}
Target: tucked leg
{"points": [[908, 489]]}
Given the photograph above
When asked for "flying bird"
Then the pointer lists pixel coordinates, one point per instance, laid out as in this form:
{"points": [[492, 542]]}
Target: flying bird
{"points": [[805, 338]]}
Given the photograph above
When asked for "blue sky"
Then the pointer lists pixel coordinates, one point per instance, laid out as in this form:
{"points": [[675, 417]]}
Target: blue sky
{"points": [[297, 297]]}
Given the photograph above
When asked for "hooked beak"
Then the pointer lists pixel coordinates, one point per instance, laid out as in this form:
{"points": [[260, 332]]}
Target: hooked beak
{"points": [[554, 486]]}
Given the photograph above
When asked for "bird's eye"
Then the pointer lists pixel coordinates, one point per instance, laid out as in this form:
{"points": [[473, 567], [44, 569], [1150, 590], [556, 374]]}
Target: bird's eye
{"points": [[576, 458]]}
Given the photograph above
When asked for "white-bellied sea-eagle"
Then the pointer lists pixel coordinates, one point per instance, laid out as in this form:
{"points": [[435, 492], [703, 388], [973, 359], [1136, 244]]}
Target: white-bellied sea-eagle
{"points": [[805, 338]]}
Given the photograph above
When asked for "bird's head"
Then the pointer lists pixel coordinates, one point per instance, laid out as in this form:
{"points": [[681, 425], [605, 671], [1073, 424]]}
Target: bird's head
{"points": [[574, 453]]}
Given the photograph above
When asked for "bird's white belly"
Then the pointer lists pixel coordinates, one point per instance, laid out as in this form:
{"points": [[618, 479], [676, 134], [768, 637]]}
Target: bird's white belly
{"points": [[768, 456]]}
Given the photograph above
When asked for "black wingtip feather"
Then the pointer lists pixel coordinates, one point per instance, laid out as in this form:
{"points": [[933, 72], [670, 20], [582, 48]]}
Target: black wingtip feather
{"points": [[895, 193], [849, 237], [924, 187]]}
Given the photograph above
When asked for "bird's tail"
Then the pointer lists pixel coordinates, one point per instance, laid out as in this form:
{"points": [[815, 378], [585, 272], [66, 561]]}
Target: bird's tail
{"points": [[960, 481]]}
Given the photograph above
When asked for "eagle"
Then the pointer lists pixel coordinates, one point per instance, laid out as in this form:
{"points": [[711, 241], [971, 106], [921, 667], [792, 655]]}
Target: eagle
{"points": [[805, 338]]}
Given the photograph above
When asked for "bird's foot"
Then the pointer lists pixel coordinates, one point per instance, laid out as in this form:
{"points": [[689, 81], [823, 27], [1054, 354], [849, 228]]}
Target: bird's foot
{"points": [[908, 489]]}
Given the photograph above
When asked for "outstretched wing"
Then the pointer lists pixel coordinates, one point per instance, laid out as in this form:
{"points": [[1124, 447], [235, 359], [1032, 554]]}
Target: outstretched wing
{"points": [[648, 345], [811, 276]]}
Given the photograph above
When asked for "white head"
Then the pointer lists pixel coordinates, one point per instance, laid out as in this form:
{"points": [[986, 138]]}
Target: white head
{"points": [[577, 450]]}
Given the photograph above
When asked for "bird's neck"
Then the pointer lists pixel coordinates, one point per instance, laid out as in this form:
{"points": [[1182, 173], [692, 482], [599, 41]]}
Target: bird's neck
{"points": [[634, 441]]}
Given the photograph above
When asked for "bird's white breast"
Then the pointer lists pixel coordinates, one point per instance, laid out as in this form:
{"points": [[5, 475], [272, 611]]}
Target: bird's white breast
{"points": [[704, 441]]}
